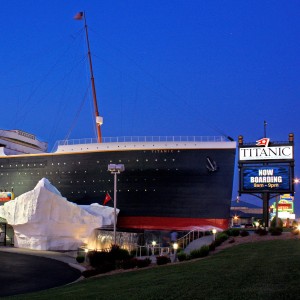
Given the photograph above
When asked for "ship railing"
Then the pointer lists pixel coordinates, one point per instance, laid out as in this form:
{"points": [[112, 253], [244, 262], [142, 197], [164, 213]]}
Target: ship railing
{"points": [[129, 139]]}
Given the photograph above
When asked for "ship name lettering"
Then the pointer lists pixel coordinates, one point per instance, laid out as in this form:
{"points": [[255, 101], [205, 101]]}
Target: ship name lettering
{"points": [[162, 151]]}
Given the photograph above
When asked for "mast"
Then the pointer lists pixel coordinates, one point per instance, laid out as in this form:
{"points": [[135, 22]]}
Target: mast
{"points": [[99, 120]]}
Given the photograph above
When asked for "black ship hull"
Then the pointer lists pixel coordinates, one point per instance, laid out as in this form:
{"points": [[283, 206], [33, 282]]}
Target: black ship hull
{"points": [[160, 189]]}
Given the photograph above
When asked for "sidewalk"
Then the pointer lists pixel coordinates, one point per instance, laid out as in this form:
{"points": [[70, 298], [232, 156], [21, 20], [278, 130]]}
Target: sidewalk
{"points": [[198, 243], [66, 257], [25, 271]]}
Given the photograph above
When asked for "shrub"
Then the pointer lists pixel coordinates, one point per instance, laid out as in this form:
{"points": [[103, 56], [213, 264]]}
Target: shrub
{"points": [[80, 259], [212, 246], [232, 232], [106, 267], [202, 252], [105, 261], [142, 263], [235, 232], [129, 263], [117, 253], [244, 233], [97, 258], [222, 236], [279, 222], [182, 256], [275, 230], [162, 260], [217, 242], [261, 231]]}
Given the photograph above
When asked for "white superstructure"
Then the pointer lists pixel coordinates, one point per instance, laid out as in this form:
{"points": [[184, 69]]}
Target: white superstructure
{"points": [[14, 142]]}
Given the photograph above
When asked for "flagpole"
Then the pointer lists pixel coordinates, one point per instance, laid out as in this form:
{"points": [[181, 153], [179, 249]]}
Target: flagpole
{"points": [[265, 129], [115, 208], [98, 118]]}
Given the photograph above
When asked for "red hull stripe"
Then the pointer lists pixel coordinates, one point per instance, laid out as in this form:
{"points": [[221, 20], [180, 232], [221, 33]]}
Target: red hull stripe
{"points": [[160, 223]]}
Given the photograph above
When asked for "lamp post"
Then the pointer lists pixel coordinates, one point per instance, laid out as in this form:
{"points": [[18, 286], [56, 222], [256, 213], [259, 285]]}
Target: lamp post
{"points": [[214, 231], [153, 246], [175, 247], [115, 169]]}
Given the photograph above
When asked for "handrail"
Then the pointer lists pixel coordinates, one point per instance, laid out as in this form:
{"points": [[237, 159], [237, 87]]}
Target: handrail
{"points": [[189, 237]]}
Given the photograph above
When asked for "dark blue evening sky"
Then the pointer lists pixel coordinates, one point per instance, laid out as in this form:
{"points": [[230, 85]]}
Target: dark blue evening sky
{"points": [[170, 67]]}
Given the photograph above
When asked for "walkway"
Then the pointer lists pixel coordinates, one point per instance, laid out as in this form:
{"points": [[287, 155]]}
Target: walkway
{"points": [[25, 271]]}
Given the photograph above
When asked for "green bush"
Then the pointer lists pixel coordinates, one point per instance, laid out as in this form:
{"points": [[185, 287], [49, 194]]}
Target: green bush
{"points": [[244, 233], [129, 263], [279, 222], [117, 253], [217, 242], [80, 259], [222, 236], [261, 231], [105, 261], [162, 260], [232, 231], [97, 258], [212, 246], [235, 232], [181, 256], [202, 252], [142, 263], [275, 230]]}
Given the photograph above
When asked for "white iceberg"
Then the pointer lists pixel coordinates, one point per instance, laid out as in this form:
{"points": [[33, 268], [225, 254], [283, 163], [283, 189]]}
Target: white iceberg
{"points": [[44, 220]]}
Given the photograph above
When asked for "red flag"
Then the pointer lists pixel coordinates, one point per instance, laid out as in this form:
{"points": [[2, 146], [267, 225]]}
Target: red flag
{"points": [[79, 16], [107, 198], [263, 142]]}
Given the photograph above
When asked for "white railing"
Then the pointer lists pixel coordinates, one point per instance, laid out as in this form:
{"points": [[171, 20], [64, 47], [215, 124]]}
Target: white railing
{"points": [[189, 237], [129, 139]]}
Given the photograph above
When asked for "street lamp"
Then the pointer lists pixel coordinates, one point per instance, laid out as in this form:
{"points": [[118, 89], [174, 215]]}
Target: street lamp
{"points": [[115, 169], [175, 247], [214, 231], [153, 246]]}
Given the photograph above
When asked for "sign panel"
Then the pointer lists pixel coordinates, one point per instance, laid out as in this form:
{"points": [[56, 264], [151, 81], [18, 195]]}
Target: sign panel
{"points": [[256, 179], [266, 153], [6, 196]]}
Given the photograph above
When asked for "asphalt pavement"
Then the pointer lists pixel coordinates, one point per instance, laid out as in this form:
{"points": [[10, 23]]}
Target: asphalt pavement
{"points": [[24, 271]]}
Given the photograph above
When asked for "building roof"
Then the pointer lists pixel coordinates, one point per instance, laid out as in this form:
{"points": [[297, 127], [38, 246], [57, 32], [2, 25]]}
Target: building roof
{"points": [[242, 214], [243, 204]]}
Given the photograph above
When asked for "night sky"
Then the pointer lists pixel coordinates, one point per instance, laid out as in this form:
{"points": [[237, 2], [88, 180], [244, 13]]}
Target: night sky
{"points": [[162, 68]]}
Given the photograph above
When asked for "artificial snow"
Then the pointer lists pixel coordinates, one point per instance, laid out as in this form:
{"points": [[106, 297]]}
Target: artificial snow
{"points": [[44, 220]]}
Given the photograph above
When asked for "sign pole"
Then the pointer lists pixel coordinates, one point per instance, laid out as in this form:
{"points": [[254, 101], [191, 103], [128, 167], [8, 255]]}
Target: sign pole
{"points": [[266, 198]]}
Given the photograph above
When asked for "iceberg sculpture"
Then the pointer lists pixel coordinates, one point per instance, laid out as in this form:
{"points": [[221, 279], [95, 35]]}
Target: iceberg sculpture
{"points": [[44, 220]]}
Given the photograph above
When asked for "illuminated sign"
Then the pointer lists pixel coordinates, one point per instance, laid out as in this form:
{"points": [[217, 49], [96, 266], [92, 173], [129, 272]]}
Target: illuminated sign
{"points": [[266, 153], [285, 204], [6, 196], [256, 179]]}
